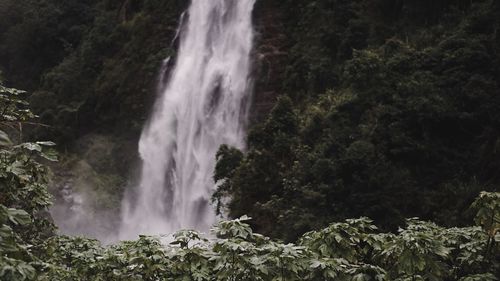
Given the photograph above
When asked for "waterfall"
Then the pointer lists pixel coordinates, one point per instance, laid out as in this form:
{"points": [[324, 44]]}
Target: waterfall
{"points": [[203, 104]]}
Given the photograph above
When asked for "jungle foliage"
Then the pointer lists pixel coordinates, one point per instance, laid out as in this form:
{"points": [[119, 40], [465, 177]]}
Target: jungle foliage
{"points": [[88, 64], [391, 111], [350, 250]]}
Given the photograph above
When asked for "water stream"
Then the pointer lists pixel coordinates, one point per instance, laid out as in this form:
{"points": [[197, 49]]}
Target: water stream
{"points": [[203, 103]]}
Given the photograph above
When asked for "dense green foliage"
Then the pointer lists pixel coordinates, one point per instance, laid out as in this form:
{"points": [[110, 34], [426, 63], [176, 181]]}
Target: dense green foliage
{"points": [[352, 250], [392, 111], [24, 220], [88, 63]]}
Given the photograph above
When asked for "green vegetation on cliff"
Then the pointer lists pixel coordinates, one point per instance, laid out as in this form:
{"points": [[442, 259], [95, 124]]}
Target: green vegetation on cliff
{"points": [[90, 64], [390, 110]]}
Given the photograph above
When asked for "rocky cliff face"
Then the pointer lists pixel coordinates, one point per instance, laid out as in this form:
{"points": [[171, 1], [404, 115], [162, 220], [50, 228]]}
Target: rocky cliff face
{"points": [[270, 57]]}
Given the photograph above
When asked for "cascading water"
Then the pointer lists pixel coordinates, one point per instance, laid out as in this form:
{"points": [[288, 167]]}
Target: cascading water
{"points": [[203, 104]]}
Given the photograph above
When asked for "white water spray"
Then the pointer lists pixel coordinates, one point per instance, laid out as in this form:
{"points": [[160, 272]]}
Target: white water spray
{"points": [[203, 104]]}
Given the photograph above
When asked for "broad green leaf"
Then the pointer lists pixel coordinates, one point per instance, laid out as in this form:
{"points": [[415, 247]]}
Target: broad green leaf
{"points": [[4, 139]]}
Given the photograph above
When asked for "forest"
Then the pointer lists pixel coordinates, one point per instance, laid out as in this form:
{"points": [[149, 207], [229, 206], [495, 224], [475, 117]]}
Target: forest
{"points": [[371, 150]]}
